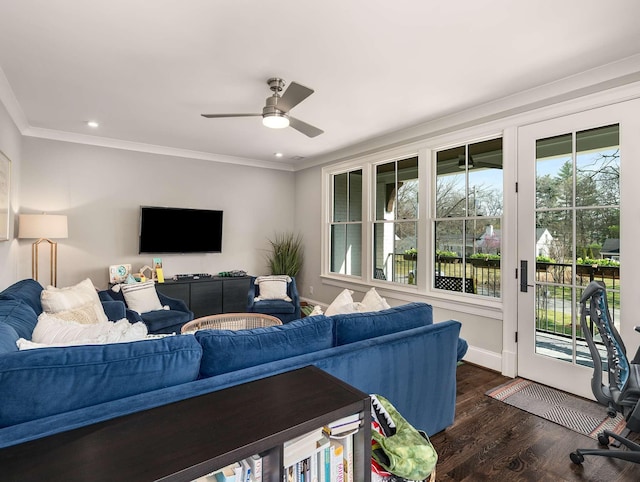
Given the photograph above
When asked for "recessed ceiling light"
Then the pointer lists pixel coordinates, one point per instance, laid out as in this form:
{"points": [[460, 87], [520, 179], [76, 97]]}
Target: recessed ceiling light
{"points": [[278, 154], [93, 124]]}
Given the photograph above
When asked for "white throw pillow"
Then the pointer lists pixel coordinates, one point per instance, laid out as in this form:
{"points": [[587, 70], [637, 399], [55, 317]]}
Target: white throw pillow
{"points": [[141, 297], [372, 301], [51, 330], [273, 290], [342, 304], [82, 296]]}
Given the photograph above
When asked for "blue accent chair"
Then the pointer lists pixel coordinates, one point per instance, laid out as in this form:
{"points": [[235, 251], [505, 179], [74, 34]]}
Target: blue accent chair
{"points": [[158, 321], [286, 311]]}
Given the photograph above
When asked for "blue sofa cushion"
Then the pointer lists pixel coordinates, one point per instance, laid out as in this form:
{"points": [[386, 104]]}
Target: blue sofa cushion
{"points": [[27, 290], [8, 338], [226, 350], [18, 315], [47, 381], [273, 307], [353, 327]]}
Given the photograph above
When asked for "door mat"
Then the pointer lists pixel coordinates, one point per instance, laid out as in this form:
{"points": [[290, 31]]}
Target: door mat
{"points": [[578, 414]]}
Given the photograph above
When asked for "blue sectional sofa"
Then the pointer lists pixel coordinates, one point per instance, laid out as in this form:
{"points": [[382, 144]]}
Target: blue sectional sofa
{"points": [[398, 353]]}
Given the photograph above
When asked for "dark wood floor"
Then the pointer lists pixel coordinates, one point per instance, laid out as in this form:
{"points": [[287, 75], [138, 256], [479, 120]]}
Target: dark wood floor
{"points": [[491, 440]]}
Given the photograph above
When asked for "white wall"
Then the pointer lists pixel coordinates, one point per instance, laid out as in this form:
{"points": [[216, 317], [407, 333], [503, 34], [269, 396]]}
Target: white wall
{"points": [[101, 190], [10, 144]]}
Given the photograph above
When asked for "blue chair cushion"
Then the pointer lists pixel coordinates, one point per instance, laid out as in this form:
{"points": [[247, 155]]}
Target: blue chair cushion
{"points": [[270, 307], [353, 327], [19, 315], [8, 338], [159, 320], [47, 381], [226, 350], [27, 290]]}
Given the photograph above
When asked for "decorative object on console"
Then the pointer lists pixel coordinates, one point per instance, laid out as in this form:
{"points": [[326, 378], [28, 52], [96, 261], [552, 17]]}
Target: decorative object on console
{"points": [[157, 266], [43, 227], [147, 273], [118, 273]]}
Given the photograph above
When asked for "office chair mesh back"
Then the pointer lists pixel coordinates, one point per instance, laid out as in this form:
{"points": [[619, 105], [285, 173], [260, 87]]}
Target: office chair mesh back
{"points": [[623, 390], [616, 358]]}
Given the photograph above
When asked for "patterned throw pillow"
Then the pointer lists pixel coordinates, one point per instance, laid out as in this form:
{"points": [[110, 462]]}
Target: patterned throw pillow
{"points": [[141, 297], [82, 296]]}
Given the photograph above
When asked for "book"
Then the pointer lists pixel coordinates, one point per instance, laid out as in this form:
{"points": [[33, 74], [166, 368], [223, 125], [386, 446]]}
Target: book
{"points": [[255, 464], [326, 464], [299, 448], [229, 473], [343, 425], [337, 461], [347, 444]]}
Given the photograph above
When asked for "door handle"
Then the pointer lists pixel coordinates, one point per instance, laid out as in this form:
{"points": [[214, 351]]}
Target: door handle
{"points": [[524, 276]]}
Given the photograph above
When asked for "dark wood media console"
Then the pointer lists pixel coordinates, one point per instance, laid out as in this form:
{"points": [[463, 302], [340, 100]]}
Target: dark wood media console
{"points": [[188, 439], [210, 296]]}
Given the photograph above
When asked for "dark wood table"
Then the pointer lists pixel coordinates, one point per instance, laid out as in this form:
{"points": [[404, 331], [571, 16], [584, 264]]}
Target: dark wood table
{"points": [[190, 438]]}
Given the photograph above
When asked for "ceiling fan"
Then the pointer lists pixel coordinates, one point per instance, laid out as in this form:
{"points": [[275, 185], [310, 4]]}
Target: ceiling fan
{"points": [[275, 113]]}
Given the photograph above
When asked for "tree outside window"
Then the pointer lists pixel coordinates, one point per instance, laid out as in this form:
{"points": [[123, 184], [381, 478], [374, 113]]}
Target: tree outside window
{"points": [[468, 218], [395, 235]]}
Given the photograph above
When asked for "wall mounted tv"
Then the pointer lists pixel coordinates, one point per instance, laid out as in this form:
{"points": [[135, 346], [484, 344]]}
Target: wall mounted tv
{"points": [[180, 230]]}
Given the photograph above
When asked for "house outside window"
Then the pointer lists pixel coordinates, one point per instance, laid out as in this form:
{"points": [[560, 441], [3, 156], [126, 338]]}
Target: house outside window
{"points": [[346, 223], [468, 218], [395, 226]]}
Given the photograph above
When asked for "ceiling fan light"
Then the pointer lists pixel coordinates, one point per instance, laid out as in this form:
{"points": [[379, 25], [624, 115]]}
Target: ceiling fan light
{"points": [[275, 121]]}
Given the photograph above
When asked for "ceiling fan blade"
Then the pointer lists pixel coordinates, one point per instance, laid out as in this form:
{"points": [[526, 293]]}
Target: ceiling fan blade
{"points": [[294, 94], [306, 129], [214, 116]]}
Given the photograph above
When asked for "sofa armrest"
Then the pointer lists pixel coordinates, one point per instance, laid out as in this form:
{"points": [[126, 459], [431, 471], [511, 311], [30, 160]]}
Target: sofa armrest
{"points": [[251, 295], [173, 303], [115, 310]]}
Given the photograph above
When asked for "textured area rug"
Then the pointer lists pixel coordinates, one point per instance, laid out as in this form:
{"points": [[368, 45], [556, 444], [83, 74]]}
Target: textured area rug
{"points": [[575, 413]]}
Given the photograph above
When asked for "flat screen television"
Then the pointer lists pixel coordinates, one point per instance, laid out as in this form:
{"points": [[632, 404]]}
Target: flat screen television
{"points": [[180, 230]]}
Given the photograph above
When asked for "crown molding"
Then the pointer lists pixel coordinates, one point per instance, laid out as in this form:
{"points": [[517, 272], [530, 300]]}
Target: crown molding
{"points": [[606, 77], [51, 134], [9, 100]]}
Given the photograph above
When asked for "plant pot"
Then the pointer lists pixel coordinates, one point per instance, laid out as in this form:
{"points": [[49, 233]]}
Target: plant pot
{"points": [[410, 257]]}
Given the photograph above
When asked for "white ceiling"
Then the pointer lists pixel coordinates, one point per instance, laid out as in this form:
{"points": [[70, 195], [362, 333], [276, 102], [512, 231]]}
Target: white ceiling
{"points": [[147, 69]]}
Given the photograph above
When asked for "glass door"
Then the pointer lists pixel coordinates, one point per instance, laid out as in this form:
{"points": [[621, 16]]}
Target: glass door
{"points": [[569, 228]]}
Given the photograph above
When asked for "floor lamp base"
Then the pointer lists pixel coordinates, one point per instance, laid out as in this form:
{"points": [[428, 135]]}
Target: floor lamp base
{"points": [[53, 259]]}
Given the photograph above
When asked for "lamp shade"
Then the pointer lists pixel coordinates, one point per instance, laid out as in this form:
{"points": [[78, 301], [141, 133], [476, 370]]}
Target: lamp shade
{"points": [[42, 226]]}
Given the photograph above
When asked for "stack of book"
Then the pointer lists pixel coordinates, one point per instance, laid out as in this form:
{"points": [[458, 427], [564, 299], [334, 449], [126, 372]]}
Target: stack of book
{"points": [[246, 470]]}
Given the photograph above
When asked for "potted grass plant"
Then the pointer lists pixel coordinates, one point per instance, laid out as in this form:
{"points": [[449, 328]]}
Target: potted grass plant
{"points": [[286, 255]]}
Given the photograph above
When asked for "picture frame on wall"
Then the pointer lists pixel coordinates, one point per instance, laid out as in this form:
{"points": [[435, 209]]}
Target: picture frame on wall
{"points": [[5, 192]]}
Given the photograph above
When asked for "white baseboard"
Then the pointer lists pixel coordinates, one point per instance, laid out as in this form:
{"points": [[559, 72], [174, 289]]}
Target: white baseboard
{"points": [[484, 358]]}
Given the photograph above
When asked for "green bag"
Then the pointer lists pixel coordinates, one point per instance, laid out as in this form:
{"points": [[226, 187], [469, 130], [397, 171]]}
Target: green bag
{"points": [[400, 449]]}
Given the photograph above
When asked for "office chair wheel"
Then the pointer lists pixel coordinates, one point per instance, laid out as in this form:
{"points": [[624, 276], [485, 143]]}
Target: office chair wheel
{"points": [[577, 458], [603, 439]]}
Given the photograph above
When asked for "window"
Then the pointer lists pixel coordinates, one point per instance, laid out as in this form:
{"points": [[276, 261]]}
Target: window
{"points": [[346, 223], [395, 236], [468, 218]]}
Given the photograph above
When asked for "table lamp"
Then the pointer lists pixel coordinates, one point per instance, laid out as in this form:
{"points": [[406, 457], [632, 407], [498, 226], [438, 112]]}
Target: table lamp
{"points": [[43, 227]]}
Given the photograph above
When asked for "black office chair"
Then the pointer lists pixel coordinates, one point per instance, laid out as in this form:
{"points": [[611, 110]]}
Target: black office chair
{"points": [[623, 391]]}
